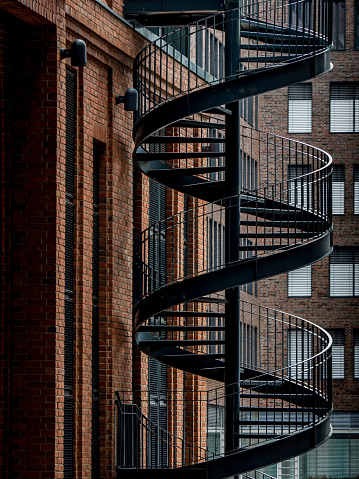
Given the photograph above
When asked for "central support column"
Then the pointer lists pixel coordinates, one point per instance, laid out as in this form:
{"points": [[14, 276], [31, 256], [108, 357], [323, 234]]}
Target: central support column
{"points": [[233, 186]]}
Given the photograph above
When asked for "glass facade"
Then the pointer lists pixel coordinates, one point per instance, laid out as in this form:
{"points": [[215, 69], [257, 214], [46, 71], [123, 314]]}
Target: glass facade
{"points": [[335, 459]]}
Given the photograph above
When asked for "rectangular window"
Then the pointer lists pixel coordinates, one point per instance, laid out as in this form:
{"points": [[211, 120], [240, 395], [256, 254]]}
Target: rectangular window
{"points": [[337, 353], [300, 282], [338, 189], [215, 430], [300, 108], [299, 350], [356, 189], [299, 186], [344, 272], [356, 353], [338, 25], [344, 107], [301, 15], [289, 469], [356, 25]]}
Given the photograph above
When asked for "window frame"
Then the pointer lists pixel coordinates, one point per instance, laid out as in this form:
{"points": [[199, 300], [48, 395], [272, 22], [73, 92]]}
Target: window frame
{"points": [[337, 168], [291, 277], [356, 189], [295, 95], [337, 110], [352, 253], [336, 33], [338, 355]]}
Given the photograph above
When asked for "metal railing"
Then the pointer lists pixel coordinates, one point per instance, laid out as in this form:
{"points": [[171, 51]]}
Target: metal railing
{"points": [[194, 57], [286, 388], [285, 201]]}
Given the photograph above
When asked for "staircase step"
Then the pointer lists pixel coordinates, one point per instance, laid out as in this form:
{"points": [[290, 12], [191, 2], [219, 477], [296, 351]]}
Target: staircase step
{"points": [[181, 172], [219, 110], [182, 139], [180, 342], [199, 124], [178, 156], [195, 356], [181, 328], [192, 314], [283, 48], [279, 38], [271, 235], [253, 423], [265, 59]]}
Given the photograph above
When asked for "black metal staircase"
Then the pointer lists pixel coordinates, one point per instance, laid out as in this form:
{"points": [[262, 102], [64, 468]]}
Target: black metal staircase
{"points": [[182, 269]]}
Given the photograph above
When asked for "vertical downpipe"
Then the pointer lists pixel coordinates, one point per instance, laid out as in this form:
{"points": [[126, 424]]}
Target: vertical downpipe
{"points": [[233, 186]]}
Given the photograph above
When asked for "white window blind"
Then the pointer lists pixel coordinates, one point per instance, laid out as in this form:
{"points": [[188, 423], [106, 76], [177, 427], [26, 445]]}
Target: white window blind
{"points": [[300, 186], [337, 353], [299, 350], [289, 469], [356, 354], [338, 189], [356, 189], [300, 282], [344, 107], [344, 272], [300, 108]]}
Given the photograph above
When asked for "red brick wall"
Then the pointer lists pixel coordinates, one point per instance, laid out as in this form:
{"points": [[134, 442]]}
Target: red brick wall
{"points": [[32, 82]]}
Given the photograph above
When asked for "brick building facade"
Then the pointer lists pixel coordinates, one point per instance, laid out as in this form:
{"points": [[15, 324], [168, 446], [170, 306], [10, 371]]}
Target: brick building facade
{"points": [[68, 193], [61, 131]]}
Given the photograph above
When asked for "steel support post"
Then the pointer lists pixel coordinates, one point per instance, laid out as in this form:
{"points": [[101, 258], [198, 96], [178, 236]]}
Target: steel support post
{"points": [[233, 183]]}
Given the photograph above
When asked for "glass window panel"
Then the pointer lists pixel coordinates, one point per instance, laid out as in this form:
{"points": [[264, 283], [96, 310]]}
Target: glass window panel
{"points": [[300, 282]]}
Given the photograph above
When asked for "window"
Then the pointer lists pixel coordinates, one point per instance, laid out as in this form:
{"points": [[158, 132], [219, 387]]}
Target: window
{"points": [[344, 107], [338, 25], [356, 25], [356, 189], [301, 15], [300, 108], [300, 282], [299, 349], [289, 469], [337, 353], [356, 353], [215, 431], [299, 186], [344, 272], [338, 189]]}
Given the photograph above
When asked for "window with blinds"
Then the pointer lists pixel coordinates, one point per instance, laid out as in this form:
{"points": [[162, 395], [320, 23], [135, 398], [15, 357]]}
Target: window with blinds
{"points": [[356, 189], [356, 353], [157, 371], [356, 25], [300, 108], [299, 349], [337, 353], [300, 282], [338, 25], [299, 186], [338, 190], [344, 272], [344, 107], [289, 469]]}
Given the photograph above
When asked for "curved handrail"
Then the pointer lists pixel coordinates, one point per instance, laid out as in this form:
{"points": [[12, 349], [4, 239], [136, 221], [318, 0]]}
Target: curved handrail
{"points": [[258, 21]]}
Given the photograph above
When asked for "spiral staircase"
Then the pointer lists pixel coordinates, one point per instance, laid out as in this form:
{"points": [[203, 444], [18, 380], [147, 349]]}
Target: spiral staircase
{"points": [[260, 205]]}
